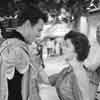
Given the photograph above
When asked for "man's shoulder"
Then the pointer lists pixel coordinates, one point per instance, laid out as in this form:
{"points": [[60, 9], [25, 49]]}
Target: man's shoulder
{"points": [[11, 46]]}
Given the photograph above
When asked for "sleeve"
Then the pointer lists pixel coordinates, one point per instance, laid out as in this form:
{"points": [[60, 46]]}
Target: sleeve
{"points": [[53, 78], [36, 61], [42, 75], [58, 76], [75, 89], [16, 57], [79, 92], [93, 59]]}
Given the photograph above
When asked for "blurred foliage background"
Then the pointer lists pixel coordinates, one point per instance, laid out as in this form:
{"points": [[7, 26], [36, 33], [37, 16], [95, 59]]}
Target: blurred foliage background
{"points": [[11, 9]]}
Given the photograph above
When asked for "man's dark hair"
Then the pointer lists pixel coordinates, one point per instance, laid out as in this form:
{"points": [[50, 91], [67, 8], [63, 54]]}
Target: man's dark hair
{"points": [[81, 44], [33, 14]]}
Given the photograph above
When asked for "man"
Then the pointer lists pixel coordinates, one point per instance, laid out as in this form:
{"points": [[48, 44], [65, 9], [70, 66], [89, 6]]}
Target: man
{"points": [[20, 68]]}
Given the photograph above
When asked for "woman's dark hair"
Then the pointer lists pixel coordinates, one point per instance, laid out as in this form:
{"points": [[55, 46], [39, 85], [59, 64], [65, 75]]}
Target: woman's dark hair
{"points": [[32, 14], [81, 44]]}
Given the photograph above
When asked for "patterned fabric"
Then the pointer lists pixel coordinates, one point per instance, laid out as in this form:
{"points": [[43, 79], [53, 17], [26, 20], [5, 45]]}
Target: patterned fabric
{"points": [[94, 79], [16, 54], [67, 86]]}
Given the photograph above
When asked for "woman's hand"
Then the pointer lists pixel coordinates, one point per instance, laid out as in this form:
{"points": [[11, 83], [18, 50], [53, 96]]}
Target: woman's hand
{"points": [[44, 77]]}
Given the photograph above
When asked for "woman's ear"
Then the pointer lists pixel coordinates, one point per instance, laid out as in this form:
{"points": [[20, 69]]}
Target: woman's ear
{"points": [[74, 55]]}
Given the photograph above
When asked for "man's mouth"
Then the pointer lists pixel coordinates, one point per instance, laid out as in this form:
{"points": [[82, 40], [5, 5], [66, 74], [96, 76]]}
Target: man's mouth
{"points": [[38, 36]]}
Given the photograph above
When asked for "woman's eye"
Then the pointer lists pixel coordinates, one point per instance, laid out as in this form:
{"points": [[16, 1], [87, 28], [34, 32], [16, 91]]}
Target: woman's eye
{"points": [[67, 45]]}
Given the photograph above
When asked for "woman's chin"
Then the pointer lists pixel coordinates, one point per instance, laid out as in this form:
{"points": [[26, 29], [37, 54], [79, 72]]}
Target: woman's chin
{"points": [[67, 59]]}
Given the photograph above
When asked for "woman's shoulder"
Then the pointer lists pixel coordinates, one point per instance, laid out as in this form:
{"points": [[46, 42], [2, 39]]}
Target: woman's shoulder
{"points": [[66, 70], [65, 84], [65, 75]]}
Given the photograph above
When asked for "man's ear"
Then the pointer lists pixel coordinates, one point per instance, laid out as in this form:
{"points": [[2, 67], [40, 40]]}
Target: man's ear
{"points": [[27, 23]]}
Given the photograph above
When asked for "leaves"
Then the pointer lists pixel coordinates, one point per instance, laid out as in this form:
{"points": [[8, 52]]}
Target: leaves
{"points": [[75, 7]]}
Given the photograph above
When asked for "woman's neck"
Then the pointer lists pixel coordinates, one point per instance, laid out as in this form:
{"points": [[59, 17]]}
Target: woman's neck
{"points": [[76, 65]]}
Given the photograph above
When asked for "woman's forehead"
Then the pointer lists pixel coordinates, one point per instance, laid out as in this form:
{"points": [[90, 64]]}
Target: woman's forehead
{"points": [[67, 41]]}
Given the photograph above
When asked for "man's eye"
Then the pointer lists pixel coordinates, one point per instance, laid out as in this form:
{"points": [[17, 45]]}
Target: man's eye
{"points": [[40, 30]]}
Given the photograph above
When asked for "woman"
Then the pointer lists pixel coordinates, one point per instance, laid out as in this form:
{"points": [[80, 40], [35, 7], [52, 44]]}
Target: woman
{"points": [[72, 83], [20, 69]]}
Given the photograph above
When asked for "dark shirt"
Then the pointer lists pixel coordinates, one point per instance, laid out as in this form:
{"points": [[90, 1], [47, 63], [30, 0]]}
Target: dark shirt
{"points": [[14, 87]]}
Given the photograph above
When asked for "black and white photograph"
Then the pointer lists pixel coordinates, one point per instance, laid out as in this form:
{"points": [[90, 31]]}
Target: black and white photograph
{"points": [[49, 49]]}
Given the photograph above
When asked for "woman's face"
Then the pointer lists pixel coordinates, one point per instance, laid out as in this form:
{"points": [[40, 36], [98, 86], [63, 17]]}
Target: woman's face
{"points": [[35, 31], [68, 50]]}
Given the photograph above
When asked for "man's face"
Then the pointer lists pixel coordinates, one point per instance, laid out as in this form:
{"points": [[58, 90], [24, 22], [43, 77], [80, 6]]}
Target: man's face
{"points": [[35, 30]]}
